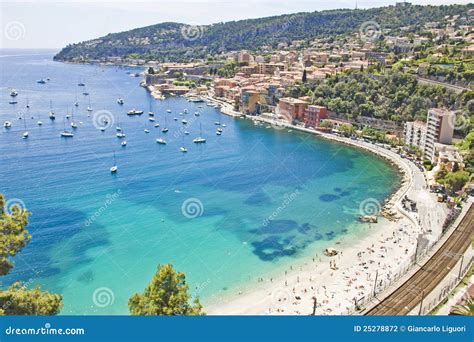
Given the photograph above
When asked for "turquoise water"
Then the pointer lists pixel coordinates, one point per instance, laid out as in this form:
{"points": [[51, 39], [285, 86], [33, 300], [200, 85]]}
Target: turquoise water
{"points": [[263, 197]]}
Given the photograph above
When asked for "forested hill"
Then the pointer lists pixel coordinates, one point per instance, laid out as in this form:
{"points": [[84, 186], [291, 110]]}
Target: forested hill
{"points": [[175, 41]]}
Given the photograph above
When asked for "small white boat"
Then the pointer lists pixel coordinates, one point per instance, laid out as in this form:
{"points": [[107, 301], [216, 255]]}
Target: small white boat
{"points": [[146, 131], [151, 119], [52, 116], [123, 143], [118, 129], [161, 141], [40, 123], [114, 168], [42, 81], [102, 129], [13, 93], [217, 123], [199, 140], [197, 114], [73, 125], [185, 110], [184, 122], [219, 130], [68, 116], [7, 124], [164, 130], [25, 135], [151, 114], [120, 101], [67, 134], [13, 102], [175, 119], [135, 112], [168, 110], [120, 135], [183, 149], [219, 133], [224, 125], [186, 132], [157, 125], [89, 109]]}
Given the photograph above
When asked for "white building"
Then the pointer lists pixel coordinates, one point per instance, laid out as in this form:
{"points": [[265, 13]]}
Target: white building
{"points": [[438, 129]]}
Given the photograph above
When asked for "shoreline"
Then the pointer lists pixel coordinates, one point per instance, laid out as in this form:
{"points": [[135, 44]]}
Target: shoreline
{"points": [[384, 250]]}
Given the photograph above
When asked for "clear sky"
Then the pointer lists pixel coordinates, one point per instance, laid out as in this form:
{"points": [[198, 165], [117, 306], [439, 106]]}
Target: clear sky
{"points": [[54, 24]]}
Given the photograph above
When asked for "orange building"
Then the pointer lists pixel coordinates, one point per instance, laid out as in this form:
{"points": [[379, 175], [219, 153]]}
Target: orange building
{"points": [[314, 114], [291, 108]]}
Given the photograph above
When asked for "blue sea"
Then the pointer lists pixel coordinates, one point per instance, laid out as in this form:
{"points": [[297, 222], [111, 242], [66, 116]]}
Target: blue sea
{"points": [[244, 205]]}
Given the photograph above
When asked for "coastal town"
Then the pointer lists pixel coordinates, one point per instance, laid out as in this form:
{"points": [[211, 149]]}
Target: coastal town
{"points": [[373, 215]]}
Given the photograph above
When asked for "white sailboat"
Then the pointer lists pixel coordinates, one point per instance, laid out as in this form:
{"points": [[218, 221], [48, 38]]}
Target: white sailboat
{"points": [[65, 133], [7, 124], [51, 112], [73, 124], [200, 139], [25, 134], [165, 129], [114, 167]]}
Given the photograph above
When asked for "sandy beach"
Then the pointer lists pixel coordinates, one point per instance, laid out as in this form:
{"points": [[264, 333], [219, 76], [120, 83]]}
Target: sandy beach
{"points": [[336, 284]]}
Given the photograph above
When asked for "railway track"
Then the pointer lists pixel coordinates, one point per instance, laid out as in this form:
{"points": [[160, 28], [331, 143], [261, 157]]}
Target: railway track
{"points": [[405, 298]]}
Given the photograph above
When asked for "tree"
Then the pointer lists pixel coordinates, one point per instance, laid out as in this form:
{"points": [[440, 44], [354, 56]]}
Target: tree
{"points": [[305, 77], [167, 295], [465, 309], [456, 180], [18, 299], [151, 71]]}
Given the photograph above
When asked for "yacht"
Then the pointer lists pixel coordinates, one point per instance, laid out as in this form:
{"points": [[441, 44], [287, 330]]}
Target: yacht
{"points": [[85, 93], [217, 123], [81, 84], [183, 149], [168, 110], [151, 119], [114, 168], [184, 122], [102, 129], [224, 125], [13, 93], [219, 130], [164, 130], [218, 133], [120, 101], [151, 114], [197, 114], [42, 81], [52, 116], [123, 143], [175, 119], [89, 109], [200, 139], [185, 110], [161, 141], [25, 134], [40, 123], [186, 132], [135, 112], [76, 104], [146, 131], [13, 102], [157, 125], [7, 124], [65, 133], [120, 135]]}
